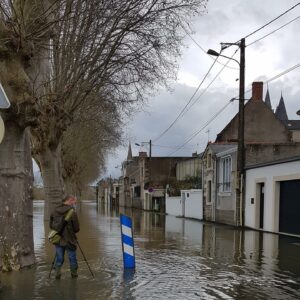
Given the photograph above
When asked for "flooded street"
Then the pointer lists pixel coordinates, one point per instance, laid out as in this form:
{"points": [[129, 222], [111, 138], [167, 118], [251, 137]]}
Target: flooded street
{"points": [[175, 258]]}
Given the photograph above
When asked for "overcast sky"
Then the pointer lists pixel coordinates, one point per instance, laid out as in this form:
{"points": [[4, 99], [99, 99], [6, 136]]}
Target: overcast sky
{"points": [[264, 59]]}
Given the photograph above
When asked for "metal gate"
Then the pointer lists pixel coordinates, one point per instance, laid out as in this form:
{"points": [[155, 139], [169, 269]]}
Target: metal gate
{"points": [[289, 213]]}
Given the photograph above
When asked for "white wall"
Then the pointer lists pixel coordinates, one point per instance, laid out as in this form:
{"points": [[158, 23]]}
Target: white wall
{"points": [[193, 204], [174, 206], [271, 176]]}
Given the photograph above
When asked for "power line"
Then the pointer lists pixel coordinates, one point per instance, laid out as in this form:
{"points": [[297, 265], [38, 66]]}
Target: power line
{"points": [[284, 25], [224, 107], [185, 109], [262, 27], [283, 73], [204, 91], [273, 20], [174, 147], [204, 51], [202, 127], [274, 77], [191, 98]]}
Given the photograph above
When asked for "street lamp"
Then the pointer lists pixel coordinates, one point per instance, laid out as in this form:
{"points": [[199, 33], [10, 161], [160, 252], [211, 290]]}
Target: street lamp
{"points": [[215, 53], [241, 151]]}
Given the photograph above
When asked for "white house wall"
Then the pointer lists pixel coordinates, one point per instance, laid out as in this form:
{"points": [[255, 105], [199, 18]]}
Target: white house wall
{"points": [[270, 176]]}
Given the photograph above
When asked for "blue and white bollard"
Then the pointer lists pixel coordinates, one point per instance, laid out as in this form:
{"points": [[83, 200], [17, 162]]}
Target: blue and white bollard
{"points": [[127, 242]]}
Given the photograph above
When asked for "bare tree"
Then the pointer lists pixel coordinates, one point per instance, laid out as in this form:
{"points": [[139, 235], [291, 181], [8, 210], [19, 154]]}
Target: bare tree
{"points": [[86, 144], [119, 48], [19, 21], [53, 55]]}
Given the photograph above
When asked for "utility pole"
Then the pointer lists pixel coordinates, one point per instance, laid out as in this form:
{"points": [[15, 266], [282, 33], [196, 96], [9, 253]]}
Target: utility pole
{"points": [[241, 146], [150, 148], [240, 174]]}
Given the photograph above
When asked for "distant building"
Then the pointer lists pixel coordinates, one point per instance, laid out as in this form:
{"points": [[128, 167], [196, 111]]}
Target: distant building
{"points": [[144, 180], [190, 167]]}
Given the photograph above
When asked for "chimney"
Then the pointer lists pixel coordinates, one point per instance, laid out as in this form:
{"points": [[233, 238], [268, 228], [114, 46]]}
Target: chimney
{"points": [[257, 91], [142, 154]]}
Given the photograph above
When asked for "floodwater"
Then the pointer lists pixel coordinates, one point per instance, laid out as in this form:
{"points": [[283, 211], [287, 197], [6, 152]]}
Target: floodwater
{"points": [[175, 258]]}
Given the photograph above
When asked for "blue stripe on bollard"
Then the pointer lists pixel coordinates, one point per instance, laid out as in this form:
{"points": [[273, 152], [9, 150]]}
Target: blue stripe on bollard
{"points": [[127, 242]]}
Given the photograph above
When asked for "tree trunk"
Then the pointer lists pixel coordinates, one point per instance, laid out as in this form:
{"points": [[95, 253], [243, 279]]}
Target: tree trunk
{"points": [[16, 207], [51, 170]]}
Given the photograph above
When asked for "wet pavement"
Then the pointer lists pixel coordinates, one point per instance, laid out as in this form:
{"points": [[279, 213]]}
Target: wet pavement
{"points": [[176, 259]]}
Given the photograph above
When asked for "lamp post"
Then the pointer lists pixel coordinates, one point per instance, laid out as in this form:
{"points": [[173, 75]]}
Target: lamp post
{"points": [[241, 122]]}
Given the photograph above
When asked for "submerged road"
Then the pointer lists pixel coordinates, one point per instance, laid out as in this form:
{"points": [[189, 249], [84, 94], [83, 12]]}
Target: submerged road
{"points": [[175, 258]]}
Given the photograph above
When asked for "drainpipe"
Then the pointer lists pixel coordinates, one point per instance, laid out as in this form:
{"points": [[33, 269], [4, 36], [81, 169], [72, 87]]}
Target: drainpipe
{"points": [[216, 187], [241, 200]]}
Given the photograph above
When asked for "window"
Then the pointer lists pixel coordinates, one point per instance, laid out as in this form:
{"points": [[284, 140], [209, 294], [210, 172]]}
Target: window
{"points": [[208, 192], [209, 161], [225, 174]]}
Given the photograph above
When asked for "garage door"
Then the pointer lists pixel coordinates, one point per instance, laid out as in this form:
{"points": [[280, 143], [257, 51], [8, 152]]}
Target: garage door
{"points": [[289, 214]]}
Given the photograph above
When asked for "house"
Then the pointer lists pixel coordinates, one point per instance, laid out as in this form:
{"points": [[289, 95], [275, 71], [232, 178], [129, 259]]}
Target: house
{"points": [[130, 180], [104, 192], [268, 137], [219, 182], [272, 196], [156, 173], [144, 180]]}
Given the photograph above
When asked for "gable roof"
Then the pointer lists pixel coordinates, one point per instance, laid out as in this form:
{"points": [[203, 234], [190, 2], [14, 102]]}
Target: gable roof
{"points": [[251, 109], [219, 148]]}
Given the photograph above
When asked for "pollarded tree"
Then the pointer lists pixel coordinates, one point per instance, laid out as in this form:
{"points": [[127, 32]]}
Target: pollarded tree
{"points": [[23, 31], [120, 48]]}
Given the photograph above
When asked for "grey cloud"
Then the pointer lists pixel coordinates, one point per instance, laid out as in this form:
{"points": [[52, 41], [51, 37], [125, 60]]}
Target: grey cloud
{"points": [[226, 21]]}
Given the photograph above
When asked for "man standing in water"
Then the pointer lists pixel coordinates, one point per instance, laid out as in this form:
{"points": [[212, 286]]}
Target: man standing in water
{"points": [[68, 239]]}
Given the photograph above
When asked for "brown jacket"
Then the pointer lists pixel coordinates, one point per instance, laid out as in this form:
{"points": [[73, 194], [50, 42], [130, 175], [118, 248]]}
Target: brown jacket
{"points": [[69, 233]]}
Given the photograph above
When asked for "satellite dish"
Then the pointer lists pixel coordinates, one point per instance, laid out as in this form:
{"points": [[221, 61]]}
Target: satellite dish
{"points": [[1, 129], [4, 102], [298, 112]]}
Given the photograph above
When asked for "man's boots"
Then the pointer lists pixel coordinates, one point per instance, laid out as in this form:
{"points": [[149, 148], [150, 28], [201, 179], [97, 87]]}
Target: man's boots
{"points": [[57, 272], [74, 272]]}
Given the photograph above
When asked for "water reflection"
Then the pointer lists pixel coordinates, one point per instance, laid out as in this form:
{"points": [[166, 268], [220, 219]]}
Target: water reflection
{"points": [[176, 258]]}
